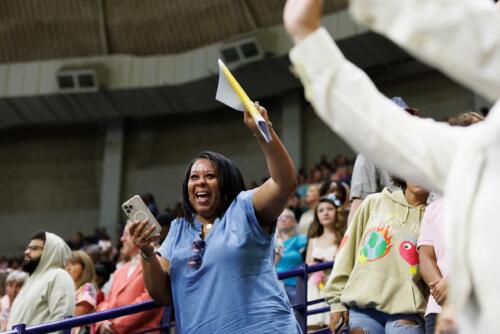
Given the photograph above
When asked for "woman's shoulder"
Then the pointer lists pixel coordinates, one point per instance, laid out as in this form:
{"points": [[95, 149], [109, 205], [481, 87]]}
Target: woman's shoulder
{"points": [[179, 223], [243, 201], [88, 287]]}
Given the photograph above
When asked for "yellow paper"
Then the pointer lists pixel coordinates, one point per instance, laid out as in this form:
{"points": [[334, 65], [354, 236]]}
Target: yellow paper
{"points": [[231, 94], [241, 93]]}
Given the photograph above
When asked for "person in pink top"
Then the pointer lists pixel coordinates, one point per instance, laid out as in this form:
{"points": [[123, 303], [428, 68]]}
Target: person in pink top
{"points": [[431, 245], [433, 263]]}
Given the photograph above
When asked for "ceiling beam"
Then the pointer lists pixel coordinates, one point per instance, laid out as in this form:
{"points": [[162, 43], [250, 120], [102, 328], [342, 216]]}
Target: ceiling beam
{"points": [[103, 33], [248, 14]]}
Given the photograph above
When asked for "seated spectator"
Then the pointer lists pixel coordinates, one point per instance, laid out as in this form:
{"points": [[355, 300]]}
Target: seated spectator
{"points": [[81, 269], [48, 293], [15, 263], [4, 263], [14, 283], [375, 284], [325, 235], [338, 189], [150, 201], [128, 288], [165, 219], [289, 248], [312, 197], [3, 277], [294, 205], [101, 277], [302, 183]]}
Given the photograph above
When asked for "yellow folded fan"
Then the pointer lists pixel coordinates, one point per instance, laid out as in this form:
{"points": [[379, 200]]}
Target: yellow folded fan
{"points": [[231, 94]]}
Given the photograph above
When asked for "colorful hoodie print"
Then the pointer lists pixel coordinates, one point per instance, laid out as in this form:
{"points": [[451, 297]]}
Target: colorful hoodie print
{"points": [[377, 265]]}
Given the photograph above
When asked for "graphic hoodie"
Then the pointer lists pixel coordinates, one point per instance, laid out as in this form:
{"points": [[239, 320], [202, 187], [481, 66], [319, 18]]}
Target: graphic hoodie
{"points": [[49, 293], [377, 264]]}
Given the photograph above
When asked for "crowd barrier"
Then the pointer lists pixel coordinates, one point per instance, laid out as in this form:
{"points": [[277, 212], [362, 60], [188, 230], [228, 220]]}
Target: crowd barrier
{"points": [[300, 305]]}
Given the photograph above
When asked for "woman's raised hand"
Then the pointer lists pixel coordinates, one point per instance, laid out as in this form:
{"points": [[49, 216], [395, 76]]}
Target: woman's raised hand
{"points": [[250, 122]]}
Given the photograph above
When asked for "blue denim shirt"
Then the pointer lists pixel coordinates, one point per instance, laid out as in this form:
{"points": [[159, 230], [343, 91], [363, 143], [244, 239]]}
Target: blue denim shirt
{"points": [[236, 289]]}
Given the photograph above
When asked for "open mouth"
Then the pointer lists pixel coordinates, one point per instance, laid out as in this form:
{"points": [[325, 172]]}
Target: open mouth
{"points": [[202, 196]]}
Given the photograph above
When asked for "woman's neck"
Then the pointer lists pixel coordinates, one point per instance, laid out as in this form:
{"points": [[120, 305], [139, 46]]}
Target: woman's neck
{"points": [[414, 199], [328, 231], [286, 234], [205, 221]]}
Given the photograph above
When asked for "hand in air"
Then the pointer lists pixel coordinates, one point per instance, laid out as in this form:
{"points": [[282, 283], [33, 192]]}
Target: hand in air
{"points": [[250, 122], [302, 17]]}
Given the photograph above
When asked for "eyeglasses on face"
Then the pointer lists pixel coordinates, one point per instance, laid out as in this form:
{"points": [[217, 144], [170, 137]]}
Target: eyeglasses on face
{"points": [[195, 261], [34, 247]]}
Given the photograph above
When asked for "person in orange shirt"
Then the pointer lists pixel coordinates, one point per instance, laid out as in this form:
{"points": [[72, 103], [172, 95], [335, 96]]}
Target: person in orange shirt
{"points": [[128, 288]]}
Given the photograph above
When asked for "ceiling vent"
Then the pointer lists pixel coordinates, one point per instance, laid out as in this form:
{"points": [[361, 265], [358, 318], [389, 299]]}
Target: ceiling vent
{"points": [[241, 52], [80, 79]]}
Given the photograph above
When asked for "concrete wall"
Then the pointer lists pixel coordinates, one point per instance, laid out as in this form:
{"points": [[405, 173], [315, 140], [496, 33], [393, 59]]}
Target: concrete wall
{"points": [[49, 179]]}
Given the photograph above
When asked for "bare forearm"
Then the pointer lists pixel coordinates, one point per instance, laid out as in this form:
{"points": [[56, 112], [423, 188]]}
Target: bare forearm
{"points": [[352, 210], [428, 265], [157, 281], [279, 163]]}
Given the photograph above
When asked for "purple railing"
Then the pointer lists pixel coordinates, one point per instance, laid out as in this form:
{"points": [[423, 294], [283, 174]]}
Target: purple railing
{"points": [[299, 304]]}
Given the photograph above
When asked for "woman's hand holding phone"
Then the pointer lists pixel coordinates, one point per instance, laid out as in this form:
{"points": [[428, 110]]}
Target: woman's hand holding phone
{"points": [[144, 236]]}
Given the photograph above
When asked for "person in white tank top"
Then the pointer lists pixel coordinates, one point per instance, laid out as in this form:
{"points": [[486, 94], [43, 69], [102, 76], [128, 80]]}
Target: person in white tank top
{"points": [[325, 235]]}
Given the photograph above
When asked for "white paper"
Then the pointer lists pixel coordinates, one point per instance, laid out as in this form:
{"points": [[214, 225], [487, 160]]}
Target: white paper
{"points": [[227, 95]]}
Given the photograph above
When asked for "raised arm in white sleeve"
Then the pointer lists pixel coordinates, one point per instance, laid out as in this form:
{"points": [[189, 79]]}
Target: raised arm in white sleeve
{"points": [[460, 37], [344, 97]]}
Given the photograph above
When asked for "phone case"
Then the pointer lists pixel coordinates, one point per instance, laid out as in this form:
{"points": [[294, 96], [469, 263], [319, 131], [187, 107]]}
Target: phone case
{"points": [[136, 209]]}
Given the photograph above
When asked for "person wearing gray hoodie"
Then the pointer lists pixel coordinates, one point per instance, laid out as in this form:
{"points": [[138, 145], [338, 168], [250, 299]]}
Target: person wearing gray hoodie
{"points": [[49, 292]]}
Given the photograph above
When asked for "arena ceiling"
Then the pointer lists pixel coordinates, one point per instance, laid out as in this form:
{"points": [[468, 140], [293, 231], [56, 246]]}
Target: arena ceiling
{"points": [[33, 30]]}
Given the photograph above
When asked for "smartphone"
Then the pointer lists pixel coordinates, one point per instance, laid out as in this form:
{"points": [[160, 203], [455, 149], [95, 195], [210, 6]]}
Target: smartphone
{"points": [[136, 209]]}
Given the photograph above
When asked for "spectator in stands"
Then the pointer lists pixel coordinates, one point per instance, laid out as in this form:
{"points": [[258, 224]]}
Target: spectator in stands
{"points": [[81, 269], [76, 241], [432, 251], [49, 293], [15, 263], [366, 177], [375, 284], [302, 183], [461, 39], [219, 256], [3, 277], [150, 201], [101, 277], [312, 197], [341, 160], [14, 283], [165, 219], [4, 263], [335, 188], [288, 249], [324, 235], [342, 174], [338, 189], [127, 287], [294, 205], [315, 175]]}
